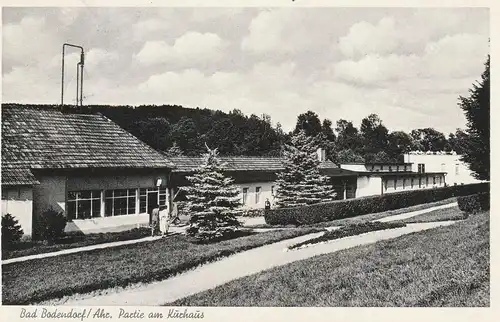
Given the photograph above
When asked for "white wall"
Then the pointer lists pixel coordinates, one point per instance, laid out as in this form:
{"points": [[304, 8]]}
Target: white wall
{"points": [[18, 201], [368, 186], [108, 224], [265, 193], [457, 172]]}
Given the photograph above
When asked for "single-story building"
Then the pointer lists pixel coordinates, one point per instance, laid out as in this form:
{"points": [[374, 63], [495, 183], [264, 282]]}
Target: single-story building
{"points": [[385, 177], [82, 164], [255, 177]]}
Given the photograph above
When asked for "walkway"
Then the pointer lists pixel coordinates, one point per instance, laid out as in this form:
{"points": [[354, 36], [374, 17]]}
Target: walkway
{"points": [[172, 231], [181, 230], [236, 266]]}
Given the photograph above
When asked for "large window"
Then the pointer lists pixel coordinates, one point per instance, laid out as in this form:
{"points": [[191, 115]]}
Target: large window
{"points": [[257, 194], [84, 204], [119, 202]]}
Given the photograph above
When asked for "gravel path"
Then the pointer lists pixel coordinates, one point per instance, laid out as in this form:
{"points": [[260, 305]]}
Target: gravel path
{"points": [[239, 265]]}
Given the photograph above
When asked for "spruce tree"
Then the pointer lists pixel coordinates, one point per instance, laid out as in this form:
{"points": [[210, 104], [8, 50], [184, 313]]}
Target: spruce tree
{"points": [[300, 183], [213, 200]]}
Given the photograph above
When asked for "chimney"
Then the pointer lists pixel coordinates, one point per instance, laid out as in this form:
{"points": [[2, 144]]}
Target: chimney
{"points": [[321, 155]]}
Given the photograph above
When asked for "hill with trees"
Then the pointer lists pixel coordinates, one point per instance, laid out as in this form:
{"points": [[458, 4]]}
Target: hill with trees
{"points": [[178, 130]]}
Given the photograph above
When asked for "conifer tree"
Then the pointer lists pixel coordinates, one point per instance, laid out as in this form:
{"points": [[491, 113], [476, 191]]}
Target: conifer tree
{"points": [[213, 200], [300, 183], [175, 150], [476, 139]]}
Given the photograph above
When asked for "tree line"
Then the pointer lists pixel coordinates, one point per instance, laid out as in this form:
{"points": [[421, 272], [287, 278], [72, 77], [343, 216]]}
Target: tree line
{"points": [[179, 130]]}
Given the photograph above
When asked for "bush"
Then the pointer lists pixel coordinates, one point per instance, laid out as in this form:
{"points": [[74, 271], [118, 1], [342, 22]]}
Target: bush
{"points": [[474, 203], [11, 231], [51, 225], [339, 209]]}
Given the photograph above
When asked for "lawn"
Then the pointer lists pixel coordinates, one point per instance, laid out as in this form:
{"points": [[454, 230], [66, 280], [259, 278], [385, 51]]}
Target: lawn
{"points": [[446, 266], [73, 240], [452, 213], [49, 278], [349, 230]]}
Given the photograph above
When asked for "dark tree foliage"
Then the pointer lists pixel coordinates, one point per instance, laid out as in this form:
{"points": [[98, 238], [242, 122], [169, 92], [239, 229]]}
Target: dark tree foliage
{"points": [[476, 150], [374, 134], [348, 137], [11, 231], [429, 139], [309, 122]]}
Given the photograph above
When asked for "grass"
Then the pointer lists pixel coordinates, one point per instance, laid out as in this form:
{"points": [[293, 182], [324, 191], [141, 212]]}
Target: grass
{"points": [[72, 240], [446, 266], [349, 230], [51, 278], [452, 213]]}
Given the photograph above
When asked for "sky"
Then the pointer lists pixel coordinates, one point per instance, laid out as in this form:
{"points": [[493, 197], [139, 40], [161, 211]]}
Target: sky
{"points": [[407, 65]]}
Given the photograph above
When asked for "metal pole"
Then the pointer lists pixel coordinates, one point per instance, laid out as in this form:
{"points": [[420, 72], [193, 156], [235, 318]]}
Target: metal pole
{"points": [[62, 78], [62, 74], [82, 62], [77, 81]]}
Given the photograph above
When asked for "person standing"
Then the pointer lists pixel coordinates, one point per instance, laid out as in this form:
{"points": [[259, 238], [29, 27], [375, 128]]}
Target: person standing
{"points": [[164, 221], [267, 204], [155, 220]]}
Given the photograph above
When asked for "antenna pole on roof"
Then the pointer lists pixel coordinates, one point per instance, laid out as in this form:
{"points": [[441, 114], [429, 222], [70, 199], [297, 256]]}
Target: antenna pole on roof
{"points": [[79, 73]]}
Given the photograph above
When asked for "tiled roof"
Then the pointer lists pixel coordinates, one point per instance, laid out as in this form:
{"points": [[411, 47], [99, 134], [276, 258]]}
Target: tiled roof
{"points": [[244, 163], [46, 138]]}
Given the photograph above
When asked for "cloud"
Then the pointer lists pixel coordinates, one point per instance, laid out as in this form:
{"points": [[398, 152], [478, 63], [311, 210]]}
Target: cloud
{"points": [[469, 53], [190, 48], [149, 27], [26, 42], [364, 38]]}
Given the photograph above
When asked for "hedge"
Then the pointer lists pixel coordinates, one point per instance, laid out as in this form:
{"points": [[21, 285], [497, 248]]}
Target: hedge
{"points": [[474, 203], [339, 209]]}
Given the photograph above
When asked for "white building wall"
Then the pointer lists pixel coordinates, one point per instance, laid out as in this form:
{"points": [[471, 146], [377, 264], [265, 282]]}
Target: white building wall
{"points": [[18, 201], [251, 200], [368, 186], [457, 172]]}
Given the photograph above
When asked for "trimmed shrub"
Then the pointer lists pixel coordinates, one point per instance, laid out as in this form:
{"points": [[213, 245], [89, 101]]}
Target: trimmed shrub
{"points": [[11, 231], [51, 225], [474, 203], [339, 209]]}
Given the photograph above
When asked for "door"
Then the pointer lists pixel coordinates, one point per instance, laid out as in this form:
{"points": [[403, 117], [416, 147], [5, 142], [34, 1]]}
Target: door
{"points": [[152, 201]]}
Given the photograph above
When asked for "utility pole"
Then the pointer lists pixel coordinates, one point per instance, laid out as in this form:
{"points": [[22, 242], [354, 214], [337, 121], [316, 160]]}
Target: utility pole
{"points": [[79, 75]]}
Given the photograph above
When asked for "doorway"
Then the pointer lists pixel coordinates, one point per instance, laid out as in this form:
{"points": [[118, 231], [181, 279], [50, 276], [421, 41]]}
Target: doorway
{"points": [[152, 201]]}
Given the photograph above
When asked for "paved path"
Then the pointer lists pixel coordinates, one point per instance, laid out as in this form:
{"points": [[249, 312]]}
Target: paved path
{"points": [[415, 213], [172, 231], [236, 266]]}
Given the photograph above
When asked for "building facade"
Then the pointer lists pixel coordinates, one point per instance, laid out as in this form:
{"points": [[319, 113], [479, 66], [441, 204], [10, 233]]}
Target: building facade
{"points": [[81, 164], [381, 178], [457, 172]]}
